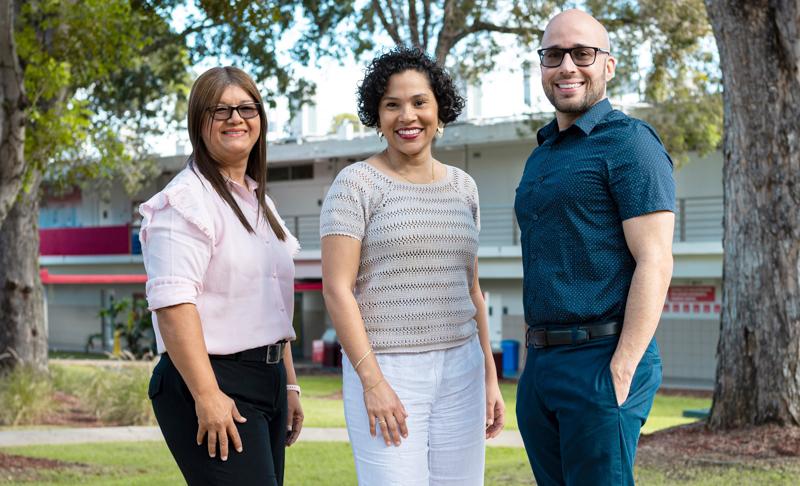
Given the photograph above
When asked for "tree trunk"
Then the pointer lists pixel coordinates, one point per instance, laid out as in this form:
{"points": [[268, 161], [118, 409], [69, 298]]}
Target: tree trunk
{"points": [[12, 114], [758, 356], [23, 332]]}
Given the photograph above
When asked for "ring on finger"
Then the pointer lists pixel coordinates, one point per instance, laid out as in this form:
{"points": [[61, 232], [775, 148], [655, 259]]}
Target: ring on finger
{"points": [[381, 421]]}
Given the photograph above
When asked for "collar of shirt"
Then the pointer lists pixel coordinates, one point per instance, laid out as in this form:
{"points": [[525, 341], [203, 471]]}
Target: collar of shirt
{"points": [[248, 194], [248, 181], [585, 123]]}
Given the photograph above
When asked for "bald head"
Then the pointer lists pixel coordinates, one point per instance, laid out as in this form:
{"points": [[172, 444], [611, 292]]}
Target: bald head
{"points": [[575, 27], [576, 81]]}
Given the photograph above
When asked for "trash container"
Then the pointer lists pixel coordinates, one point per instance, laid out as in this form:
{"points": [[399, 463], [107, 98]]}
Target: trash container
{"points": [[510, 356]]}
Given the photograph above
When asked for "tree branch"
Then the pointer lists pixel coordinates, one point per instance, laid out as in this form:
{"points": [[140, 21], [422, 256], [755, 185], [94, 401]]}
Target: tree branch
{"points": [[426, 23], [192, 29], [391, 29], [481, 26], [413, 23], [448, 31]]}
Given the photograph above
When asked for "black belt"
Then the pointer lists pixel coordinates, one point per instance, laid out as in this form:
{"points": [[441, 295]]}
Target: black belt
{"points": [[269, 354], [542, 337]]}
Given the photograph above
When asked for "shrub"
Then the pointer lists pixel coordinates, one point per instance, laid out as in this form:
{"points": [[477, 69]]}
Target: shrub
{"points": [[25, 396], [119, 395]]}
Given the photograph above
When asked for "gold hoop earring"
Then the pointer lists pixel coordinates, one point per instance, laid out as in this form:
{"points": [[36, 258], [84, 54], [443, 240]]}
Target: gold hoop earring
{"points": [[380, 134], [440, 131]]}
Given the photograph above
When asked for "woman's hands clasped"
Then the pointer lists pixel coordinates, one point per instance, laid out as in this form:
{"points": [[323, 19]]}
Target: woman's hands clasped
{"points": [[385, 409], [216, 414]]}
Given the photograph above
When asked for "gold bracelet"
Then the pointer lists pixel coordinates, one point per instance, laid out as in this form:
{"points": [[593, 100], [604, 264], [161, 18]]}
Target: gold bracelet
{"points": [[355, 366], [369, 388]]}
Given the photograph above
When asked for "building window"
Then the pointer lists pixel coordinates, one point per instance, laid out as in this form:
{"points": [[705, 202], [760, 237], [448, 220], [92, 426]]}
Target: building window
{"points": [[290, 173]]}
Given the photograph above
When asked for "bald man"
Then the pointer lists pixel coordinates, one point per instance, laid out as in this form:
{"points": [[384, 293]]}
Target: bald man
{"points": [[596, 211]]}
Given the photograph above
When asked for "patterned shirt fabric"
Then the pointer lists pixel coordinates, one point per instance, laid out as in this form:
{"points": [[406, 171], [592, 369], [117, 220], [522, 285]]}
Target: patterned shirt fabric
{"points": [[578, 186], [196, 251], [418, 247]]}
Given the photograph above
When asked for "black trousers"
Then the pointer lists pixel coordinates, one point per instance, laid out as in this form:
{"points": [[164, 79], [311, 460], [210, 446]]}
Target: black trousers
{"points": [[259, 391]]}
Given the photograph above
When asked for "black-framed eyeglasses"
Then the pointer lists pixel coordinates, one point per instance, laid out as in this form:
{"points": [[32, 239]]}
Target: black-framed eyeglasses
{"points": [[225, 112], [582, 56]]}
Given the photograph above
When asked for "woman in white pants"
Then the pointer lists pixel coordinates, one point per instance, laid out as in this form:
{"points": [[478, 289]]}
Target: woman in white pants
{"points": [[400, 278]]}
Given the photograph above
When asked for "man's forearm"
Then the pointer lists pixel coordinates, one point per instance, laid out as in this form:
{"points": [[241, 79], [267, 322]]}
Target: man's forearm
{"points": [[642, 313]]}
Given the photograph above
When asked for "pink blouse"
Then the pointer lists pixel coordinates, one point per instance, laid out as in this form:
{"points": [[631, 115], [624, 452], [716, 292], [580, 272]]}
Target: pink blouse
{"points": [[196, 251]]}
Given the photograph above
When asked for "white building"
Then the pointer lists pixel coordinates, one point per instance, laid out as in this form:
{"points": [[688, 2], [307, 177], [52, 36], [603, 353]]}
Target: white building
{"points": [[494, 153]]}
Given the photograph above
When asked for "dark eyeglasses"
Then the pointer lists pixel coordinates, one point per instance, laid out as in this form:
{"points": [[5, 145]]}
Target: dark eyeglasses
{"points": [[581, 56], [225, 112]]}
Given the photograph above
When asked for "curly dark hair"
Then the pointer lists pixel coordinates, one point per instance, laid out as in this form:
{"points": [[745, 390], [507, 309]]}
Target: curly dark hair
{"points": [[398, 60]]}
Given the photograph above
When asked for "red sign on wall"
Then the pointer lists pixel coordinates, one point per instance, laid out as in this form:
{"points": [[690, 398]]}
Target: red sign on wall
{"points": [[691, 293]]}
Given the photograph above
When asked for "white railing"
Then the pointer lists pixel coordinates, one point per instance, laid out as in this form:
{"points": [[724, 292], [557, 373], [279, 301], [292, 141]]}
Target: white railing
{"points": [[696, 219]]}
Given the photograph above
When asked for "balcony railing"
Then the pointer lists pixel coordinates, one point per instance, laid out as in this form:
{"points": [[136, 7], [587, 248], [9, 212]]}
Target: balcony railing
{"points": [[696, 219], [699, 219]]}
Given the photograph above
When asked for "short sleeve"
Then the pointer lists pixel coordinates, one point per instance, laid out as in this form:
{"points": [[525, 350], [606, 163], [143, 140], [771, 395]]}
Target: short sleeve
{"points": [[177, 244], [640, 174], [474, 203], [344, 211]]}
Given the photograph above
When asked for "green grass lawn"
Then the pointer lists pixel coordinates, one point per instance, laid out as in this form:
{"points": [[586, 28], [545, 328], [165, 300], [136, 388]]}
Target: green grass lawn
{"points": [[322, 410], [149, 463], [331, 464]]}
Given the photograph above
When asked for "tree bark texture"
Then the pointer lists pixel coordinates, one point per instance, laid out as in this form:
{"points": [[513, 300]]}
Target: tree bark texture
{"points": [[23, 332], [12, 113], [758, 356]]}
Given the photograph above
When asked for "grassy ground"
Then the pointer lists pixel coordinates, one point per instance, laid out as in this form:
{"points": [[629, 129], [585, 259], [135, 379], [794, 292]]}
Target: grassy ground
{"points": [[331, 464], [322, 405]]}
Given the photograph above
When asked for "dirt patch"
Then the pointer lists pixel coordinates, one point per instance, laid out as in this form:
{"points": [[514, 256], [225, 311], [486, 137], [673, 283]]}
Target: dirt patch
{"points": [[695, 443], [14, 467], [69, 412], [685, 392]]}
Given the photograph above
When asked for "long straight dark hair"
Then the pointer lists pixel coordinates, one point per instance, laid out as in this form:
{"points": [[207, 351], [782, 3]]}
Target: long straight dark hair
{"points": [[205, 94]]}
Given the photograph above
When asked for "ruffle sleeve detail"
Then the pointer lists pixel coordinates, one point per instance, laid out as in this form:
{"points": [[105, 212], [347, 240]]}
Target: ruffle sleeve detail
{"points": [[188, 205]]}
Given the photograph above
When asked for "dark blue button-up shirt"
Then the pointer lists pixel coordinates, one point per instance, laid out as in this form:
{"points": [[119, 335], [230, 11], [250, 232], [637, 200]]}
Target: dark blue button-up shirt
{"points": [[577, 188]]}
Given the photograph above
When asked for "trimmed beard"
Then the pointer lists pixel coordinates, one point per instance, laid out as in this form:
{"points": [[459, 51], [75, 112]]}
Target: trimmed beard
{"points": [[590, 98]]}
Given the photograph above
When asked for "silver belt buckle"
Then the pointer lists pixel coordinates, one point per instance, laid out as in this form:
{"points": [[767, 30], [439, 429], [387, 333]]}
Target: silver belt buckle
{"points": [[274, 353]]}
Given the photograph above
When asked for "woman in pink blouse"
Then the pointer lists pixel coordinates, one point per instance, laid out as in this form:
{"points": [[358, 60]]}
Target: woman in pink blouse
{"points": [[221, 288]]}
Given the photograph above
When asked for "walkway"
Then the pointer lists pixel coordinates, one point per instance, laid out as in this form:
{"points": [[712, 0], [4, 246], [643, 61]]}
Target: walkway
{"points": [[52, 436]]}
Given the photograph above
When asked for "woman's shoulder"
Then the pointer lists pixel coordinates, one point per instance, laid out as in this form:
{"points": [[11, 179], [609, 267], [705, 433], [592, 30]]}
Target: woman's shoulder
{"points": [[186, 193], [363, 177], [461, 180], [190, 179]]}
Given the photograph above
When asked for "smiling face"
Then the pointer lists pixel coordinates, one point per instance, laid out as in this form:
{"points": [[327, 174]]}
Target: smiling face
{"points": [[230, 141], [571, 89], [409, 113]]}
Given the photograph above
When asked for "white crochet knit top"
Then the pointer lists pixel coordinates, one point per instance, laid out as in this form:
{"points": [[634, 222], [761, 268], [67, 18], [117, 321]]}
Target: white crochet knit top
{"points": [[418, 247]]}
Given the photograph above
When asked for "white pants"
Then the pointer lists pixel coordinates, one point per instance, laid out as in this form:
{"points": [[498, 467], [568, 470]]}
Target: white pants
{"points": [[444, 394]]}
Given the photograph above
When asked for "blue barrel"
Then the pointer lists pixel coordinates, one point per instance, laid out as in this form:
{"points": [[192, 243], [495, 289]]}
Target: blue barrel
{"points": [[510, 349]]}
